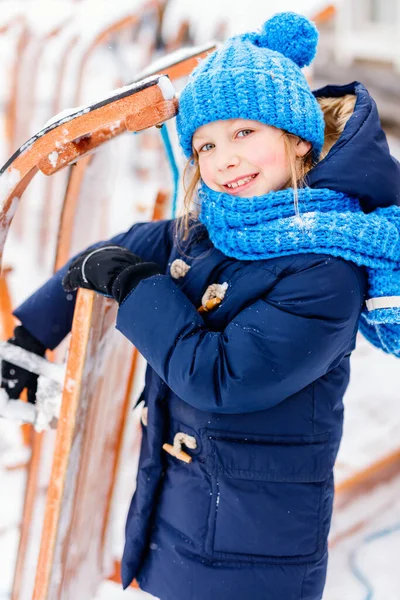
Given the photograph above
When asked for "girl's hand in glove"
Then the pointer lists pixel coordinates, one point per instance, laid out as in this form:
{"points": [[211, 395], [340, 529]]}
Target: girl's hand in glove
{"points": [[14, 379], [109, 270]]}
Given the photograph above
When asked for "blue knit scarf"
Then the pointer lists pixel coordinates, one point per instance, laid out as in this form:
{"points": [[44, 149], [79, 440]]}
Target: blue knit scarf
{"points": [[331, 223]]}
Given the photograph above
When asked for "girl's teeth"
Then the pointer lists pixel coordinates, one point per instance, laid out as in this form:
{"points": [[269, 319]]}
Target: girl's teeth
{"points": [[240, 182]]}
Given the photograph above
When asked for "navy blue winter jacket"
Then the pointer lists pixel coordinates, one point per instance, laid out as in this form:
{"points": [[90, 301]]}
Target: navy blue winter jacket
{"points": [[258, 382]]}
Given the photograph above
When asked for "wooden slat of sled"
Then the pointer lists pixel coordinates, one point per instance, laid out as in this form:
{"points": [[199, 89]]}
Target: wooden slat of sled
{"points": [[7, 320], [71, 559]]}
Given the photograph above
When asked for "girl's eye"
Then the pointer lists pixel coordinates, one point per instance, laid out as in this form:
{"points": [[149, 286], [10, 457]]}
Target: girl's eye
{"points": [[205, 148], [245, 132]]}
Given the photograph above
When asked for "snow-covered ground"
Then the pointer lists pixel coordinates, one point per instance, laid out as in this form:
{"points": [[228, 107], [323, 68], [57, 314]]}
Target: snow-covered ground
{"points": [[372, 419]]}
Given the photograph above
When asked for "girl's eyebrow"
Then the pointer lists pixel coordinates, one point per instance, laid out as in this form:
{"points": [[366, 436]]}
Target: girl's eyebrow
{"points": [[199, 137]]}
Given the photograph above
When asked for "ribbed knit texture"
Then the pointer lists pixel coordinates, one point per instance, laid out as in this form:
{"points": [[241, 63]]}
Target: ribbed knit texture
{"points": [[331, 223], [257, 76]]}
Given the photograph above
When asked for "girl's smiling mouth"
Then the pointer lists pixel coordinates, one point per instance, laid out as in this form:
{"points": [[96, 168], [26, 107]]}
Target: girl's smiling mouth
{"points": [[239, 184]]}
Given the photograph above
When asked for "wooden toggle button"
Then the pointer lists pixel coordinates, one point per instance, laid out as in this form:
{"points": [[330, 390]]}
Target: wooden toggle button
{"points": [[177, 454], [210, 304]]}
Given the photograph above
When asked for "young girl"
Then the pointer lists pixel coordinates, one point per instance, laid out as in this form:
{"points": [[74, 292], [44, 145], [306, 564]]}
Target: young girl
{"points": [[247, 310]]}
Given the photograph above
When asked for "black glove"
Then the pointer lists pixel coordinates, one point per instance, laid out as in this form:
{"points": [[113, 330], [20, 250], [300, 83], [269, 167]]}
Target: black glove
{"points": [[14, 379], [109, 270]]}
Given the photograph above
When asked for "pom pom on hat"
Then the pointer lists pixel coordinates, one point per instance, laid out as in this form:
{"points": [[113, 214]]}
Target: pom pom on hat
{"points": [[292, 35]]}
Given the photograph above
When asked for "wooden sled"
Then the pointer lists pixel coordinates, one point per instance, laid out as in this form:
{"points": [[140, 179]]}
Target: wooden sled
{"points": [[86, 423], [181, 65]]}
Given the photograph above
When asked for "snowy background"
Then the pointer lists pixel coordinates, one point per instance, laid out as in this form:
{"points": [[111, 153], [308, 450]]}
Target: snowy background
{"points": [[365, 533]]}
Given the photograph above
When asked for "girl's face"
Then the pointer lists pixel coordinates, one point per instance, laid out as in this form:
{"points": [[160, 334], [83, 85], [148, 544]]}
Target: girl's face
{"points": [[242, 157]]}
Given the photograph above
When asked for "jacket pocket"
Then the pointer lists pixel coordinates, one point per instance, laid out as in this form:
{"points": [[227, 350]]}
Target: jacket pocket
{"points": [[268, 497]]}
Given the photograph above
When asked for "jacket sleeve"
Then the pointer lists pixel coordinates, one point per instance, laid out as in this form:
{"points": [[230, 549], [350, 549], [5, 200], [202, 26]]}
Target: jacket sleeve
{"points": [[48, 313], [272, 349]]}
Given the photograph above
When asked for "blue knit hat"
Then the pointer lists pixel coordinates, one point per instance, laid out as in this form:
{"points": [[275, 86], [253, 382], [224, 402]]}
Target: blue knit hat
{"points": [[257, 76]]}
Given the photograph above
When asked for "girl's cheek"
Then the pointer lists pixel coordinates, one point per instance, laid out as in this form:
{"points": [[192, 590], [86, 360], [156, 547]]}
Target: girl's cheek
{"points": [[273, 159], [205, 171], [262, 157]]}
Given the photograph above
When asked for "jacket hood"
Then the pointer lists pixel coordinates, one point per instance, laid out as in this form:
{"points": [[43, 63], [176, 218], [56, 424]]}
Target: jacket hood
{"points": [[359, 164]]}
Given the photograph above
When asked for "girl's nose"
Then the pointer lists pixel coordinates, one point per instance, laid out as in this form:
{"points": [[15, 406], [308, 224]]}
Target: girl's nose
{"points": [[226, 160]]}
